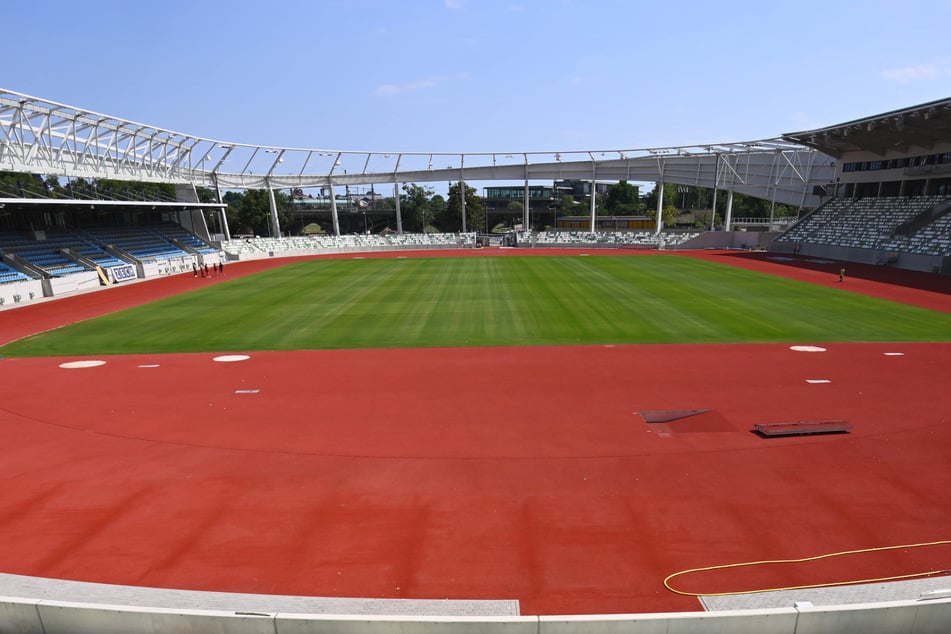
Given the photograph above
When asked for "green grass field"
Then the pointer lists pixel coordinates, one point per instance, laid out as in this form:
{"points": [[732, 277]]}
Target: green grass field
{"points": [[385, 303]]}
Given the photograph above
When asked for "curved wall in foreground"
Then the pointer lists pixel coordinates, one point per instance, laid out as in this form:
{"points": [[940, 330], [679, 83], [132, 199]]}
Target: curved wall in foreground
{"points": [[924, 616]]}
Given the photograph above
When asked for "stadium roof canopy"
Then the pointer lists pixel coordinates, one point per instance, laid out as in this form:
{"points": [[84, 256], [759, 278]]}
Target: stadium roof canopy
{"points": [[39, 136], [922, 126]]}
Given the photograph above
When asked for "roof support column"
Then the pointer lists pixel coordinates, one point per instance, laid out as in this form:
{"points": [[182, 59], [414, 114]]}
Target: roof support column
{"points": [[333, 206], [772, 183], [399, 216], [525, 211], [594, 189], [659, 219], [728, 218], [223, 211], [275, 223], [224, 224], [462, 191], [716, 184], [772, 211], [462, 203]]}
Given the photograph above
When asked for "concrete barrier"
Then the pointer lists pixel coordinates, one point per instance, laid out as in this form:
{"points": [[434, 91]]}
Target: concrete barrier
{"points": [[19, 616], [31, 616], [77, 618], [20, 293], [309, 624], [915, 617], [776, 621]]}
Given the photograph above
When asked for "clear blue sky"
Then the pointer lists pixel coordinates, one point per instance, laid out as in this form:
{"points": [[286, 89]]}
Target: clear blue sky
{"points": [[480, 75]]}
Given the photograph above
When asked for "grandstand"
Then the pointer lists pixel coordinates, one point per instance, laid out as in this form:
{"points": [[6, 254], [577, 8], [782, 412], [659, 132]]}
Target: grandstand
{"points": [[889, 200], [912, 230], [249, 249], [57, 261]]}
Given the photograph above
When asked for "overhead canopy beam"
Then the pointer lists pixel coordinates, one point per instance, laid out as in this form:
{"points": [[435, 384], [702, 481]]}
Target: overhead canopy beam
{"points": [[42, 137]]}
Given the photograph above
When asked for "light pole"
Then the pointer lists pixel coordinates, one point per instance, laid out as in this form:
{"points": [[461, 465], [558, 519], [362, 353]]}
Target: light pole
{"points": [[485, 211]]}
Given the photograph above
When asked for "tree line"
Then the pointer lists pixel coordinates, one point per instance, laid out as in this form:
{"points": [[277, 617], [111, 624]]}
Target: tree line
{"points": [[21, 185], [421, 208]]}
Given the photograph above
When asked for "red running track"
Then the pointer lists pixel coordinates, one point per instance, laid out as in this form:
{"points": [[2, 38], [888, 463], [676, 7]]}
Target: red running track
{"points": [[520, 473]]}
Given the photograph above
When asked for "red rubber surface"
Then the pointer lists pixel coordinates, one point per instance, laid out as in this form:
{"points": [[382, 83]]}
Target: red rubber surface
{"points": [[502, 473]]}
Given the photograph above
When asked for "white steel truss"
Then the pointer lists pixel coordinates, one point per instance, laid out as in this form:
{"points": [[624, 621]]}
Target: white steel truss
{"points": [[43, 137]]}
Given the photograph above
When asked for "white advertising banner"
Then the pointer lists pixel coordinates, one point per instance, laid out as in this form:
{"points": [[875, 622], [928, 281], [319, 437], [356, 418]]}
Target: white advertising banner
{"points": [[122, 273]]}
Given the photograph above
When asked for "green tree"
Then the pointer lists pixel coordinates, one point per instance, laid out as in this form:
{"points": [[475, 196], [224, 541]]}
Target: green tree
{"points": [[693, 197], [669, 211], [669, 214], [515, 209], [670, 195], [567, 206], [752, 207], [19, 185], [206, 195], [55, 187], [416, 207], [451, 218], [438, 206], [80, 188], [250, 211], [623, 199]]}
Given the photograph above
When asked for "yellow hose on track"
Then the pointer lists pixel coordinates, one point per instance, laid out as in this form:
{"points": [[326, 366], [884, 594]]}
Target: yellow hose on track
{"points": [[802, 560]]}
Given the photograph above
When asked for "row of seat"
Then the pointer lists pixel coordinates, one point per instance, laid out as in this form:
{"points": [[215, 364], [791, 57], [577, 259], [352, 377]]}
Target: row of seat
{"points": [[8, 274], [144, 243], [259, 246], [934, 239], [872, 223], [180, 235], [58, 254], [606, 238]]}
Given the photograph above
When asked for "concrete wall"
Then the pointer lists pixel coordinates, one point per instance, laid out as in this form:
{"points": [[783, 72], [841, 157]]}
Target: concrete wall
{"points": [[171, 266], [11, 290], [29, 616], [908, 261], [74, 282], [731, 240]]}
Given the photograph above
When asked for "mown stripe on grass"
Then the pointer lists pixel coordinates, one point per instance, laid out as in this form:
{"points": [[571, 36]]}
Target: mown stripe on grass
{"points": [[429, 302]]}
